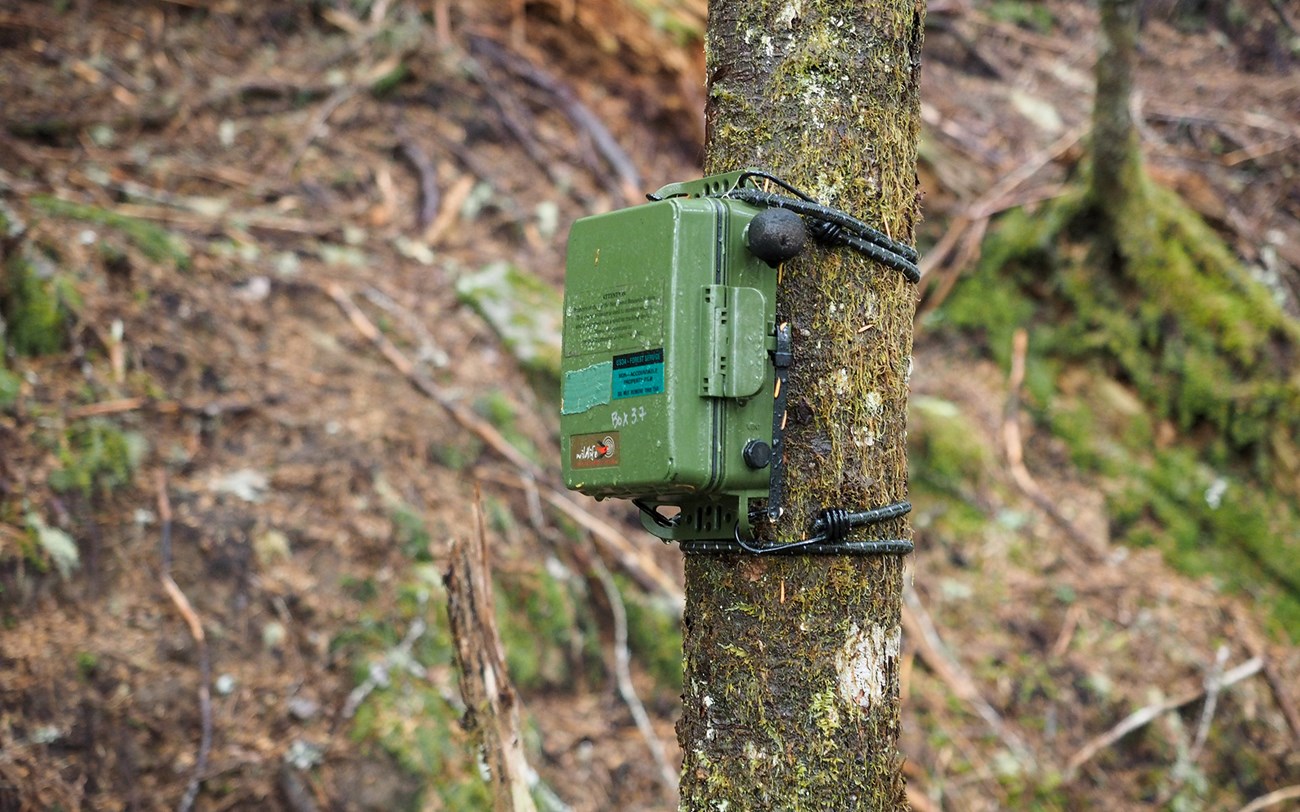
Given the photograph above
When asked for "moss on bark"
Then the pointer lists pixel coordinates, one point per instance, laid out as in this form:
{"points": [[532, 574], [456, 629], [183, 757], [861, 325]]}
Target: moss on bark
{"points": [[791, 684]]}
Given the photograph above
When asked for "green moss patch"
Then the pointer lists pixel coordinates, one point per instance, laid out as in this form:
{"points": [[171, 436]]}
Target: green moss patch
{"points": [[546, 628], [406, 712], [523, 310], [35, 302], [96, 457], [1169, 372], [156, 243]]}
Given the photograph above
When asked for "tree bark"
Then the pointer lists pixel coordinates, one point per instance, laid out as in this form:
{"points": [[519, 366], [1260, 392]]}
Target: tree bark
{"points": [[1116, 185], [791, 684]]}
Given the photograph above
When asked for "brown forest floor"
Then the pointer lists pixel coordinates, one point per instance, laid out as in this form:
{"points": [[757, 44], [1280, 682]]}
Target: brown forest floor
{"points": [[288, 145]]}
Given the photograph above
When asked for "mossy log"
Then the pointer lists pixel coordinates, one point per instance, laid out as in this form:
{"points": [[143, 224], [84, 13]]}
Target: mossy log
{"points": [[791, 696]]}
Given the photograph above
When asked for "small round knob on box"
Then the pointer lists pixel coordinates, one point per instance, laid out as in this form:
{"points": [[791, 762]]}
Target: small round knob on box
{"points": [[757, 454], [776, 235]]}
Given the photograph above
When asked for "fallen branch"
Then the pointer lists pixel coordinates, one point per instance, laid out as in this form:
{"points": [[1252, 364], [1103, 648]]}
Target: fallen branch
{"points": [[1056, 45], [9, 19], [124, 405], [467, 419], [1212, 687], [623, 677], [317, 125], [251, 220], [429, 352], [628, 180], [637, 565], [491, 704], [1281, 693], [452, 207], [920, 629], [157, 112], [1285, 18], [1218, 116], [1273, 798], [1188, 757], [511, 115], [195, 625], [1013, 445], [430, 198], [379, 676], [631, 558], [974, 218], [1146, 715]]}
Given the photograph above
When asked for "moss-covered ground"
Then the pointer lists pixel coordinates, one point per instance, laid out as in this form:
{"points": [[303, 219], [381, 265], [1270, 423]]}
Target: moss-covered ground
{"points": [[1167, 370]]}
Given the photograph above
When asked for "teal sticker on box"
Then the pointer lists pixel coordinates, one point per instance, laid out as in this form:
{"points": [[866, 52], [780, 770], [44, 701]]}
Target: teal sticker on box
{"points": [[585, 388], [638, 373]]}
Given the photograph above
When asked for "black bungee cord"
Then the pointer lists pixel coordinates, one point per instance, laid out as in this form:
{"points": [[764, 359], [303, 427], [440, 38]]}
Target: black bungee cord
{"points": [[831, 225]]}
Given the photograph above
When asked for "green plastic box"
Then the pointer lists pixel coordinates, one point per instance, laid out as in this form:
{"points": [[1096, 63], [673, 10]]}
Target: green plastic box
{"points": [[667, 374]]}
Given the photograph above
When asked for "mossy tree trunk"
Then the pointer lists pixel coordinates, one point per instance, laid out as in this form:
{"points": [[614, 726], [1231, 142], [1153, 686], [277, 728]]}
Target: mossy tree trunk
{"points": [[1117, 187], [791, 687]]}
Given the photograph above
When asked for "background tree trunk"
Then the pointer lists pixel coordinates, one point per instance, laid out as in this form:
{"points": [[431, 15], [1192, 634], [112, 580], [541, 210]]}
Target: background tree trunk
{"points": [[791, 684], [1116, 185]]}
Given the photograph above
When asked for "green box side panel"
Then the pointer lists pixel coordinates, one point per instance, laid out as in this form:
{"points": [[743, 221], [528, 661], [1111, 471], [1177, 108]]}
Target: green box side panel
{"points": [[666, 374]]}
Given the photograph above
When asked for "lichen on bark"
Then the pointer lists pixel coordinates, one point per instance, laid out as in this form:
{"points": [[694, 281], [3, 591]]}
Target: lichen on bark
{"points": [[791, 684]]}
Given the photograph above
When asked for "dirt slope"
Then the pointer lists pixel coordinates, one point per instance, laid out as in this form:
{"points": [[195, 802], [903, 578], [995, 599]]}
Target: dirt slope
{"points": [[202, 182]]}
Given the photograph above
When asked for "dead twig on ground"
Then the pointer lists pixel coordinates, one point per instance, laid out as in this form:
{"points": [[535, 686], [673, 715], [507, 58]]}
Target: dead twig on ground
{"points": [[1212, 686], [1056, 45], [512, 115], [1273, 798], [253, 221], [1262, 149], [124, 405], [1146, 715], [317, 124], [452, 207], [1220, 117], [1013, 445], [608, 536], [379, 674], [992, 64], [968, 228], [156, 113], [1249, 636], [430, 196], [1068, 628], [467, 419], [623, 677], [631, 558], [491, 703], [1284, 16], [429, 352], [195, 625], [921, 630], [1188, 756], [10, 19], [1282, 695], [627, 181]]}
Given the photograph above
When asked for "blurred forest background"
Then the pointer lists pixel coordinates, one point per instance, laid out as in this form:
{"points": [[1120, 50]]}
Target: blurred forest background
{"points": [[280, 300]]}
